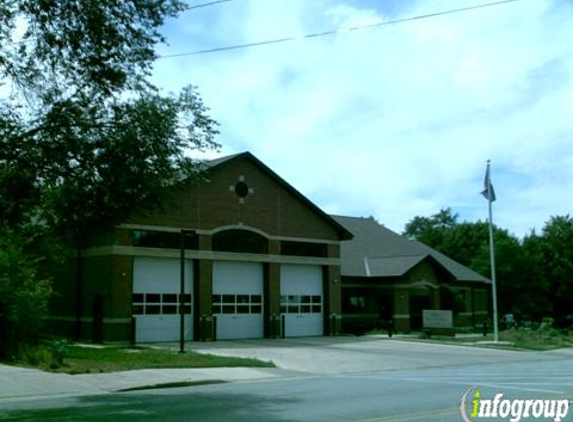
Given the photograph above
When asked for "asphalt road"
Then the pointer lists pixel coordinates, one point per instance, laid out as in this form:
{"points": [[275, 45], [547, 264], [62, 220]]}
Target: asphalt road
{"points": [[431, 394]]}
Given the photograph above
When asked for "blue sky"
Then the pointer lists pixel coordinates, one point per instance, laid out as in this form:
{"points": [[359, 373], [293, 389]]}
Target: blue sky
{"points": [[398, 120]]}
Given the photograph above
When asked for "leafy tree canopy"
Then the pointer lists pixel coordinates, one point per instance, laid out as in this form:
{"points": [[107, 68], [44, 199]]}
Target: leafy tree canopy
{"points": [[69, 45], [534, 275], [431, 230], [84, 137]]}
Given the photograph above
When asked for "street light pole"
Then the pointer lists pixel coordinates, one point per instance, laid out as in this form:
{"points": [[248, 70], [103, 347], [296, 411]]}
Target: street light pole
{"points": [[182, 293], [182, 237]]}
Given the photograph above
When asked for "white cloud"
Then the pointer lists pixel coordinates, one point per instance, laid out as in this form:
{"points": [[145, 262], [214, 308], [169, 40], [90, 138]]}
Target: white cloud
{"points": [[399, 120]]}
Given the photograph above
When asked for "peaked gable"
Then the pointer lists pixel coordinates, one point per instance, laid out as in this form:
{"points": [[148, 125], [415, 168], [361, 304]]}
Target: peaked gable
{"points": [[270, 199], [241, 191]]}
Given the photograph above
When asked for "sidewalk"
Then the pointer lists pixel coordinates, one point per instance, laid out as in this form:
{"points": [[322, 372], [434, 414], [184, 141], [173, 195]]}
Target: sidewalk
{"points": [[20, 383]]}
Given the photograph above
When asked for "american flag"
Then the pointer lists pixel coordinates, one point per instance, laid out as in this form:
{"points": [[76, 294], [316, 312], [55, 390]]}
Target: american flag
{"points": [[488, 191]]}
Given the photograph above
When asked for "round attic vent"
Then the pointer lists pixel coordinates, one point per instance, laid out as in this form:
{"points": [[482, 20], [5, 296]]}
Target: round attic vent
{"points": [[241, 189]]}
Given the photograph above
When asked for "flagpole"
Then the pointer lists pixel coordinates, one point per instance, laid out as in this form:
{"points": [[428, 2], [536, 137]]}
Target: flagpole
{"points": [[492, 256]]}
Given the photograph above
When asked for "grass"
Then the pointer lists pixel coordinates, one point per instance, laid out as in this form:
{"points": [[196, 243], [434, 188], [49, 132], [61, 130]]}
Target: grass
{"points": [[81, 359], [547, 338], [541, 339]]}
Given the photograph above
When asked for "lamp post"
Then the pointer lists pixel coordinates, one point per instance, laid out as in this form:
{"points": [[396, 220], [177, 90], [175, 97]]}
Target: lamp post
{"points": [[184, 232]]}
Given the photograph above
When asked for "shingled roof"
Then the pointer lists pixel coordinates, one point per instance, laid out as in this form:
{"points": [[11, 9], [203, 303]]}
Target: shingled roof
{"points": [[376, 251]]}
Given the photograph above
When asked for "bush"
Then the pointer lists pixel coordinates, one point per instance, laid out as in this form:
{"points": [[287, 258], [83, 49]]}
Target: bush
{"points": [[60, 350], [546, 323], [23, 296], [46, 356]]}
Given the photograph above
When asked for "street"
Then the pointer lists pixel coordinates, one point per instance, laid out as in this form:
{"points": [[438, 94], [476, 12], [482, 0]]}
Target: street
{"points": [[430, 394]]}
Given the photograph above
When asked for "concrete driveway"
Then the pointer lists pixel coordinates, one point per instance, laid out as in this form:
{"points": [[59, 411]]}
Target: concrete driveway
{"points": [[333, 355]]}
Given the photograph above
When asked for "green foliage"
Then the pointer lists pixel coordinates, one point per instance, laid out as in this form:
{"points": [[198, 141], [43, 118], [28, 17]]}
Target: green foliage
{"points": [[85, 138], [23, 295], [431, 230], [556, 246], [534, 276], [107, 45], [131, 155], [38, 356]]}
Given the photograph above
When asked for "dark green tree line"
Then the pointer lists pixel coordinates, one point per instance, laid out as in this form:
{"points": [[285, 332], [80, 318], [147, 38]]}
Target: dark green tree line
{"points": [[534, 275]]}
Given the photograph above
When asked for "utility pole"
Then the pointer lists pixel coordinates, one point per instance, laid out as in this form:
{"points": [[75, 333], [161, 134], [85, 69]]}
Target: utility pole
{"points": [[183, 234]]}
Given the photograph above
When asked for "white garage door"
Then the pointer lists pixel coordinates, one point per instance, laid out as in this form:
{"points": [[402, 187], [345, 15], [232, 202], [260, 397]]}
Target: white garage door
{"points": [[238, 299], [302, 300], [156, 287]]}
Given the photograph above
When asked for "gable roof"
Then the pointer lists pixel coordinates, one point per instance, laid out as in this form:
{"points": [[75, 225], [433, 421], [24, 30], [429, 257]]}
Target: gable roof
{"points": [[391, 266], [379, 252], [343, 232]]}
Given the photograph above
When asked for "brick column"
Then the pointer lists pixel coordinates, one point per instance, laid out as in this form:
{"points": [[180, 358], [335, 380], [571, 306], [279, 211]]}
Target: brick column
{"points": [[272, 300], [401, 312], [435, 298], [332, 300]]}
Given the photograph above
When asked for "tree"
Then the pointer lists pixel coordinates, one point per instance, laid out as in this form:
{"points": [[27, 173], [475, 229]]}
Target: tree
{"points": [[83, 129], [468, 244], [556, 246], [23, 296], [534, 296], [431, 230], [67, 46], [84, 136]]}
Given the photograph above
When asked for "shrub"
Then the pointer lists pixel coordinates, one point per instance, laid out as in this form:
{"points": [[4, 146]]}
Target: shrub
{"points": [[39, 355], [546, 323], [60, 350], [23, 296]]}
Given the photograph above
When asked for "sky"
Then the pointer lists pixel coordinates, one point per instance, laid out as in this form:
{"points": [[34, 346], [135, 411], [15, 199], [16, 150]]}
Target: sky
{"points": [[398, 120]]}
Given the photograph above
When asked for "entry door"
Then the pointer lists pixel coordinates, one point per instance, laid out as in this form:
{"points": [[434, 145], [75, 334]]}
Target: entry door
{"points": [[238, 299], [156, 287], [302, 300]]}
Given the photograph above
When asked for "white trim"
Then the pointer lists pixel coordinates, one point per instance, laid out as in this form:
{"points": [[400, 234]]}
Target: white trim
{"points": [[202, 254], [238, 227], [421, 283], [217, 229], [88, 319]]}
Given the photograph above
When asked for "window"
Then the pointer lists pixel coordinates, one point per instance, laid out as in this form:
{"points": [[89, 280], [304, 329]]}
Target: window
{"points": [[241, 189], [304, 249], [159, 304], [301, 304], [237, 304], [354, 303], [166, 240], [236, 240]]}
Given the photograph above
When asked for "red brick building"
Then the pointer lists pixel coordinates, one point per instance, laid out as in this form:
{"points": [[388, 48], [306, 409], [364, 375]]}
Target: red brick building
{"points": [[261, 260]]}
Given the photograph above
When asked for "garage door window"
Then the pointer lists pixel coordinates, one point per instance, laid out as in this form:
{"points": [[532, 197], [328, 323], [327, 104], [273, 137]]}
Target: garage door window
{"points": [[159, 304], [301, 304], [237, 304]]}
